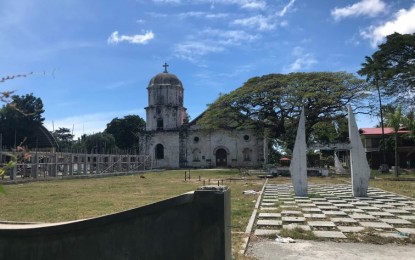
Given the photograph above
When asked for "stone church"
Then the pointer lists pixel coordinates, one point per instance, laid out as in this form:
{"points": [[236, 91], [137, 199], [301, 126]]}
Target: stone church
{"points": [[172, 142]]}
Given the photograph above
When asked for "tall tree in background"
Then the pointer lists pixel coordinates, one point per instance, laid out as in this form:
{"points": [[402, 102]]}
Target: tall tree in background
{"points": [[63, 137], [373, 71], [409, 122], [6, 97], [99, 143], [391, 70], [19, 117], [395, 120], [125, 131], [397, 57], [393, 66], [273, 103]]}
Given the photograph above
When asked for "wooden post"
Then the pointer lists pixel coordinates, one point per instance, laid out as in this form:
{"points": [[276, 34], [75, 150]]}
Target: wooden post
{"points": [[85, 164]]}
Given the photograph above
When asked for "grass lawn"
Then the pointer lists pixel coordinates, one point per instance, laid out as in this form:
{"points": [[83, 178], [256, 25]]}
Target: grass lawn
{"points": [[70, 199], [404, 184]]}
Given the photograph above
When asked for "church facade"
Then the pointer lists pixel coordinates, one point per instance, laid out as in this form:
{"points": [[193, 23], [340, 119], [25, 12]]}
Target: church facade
{"points": [[172, 142]]}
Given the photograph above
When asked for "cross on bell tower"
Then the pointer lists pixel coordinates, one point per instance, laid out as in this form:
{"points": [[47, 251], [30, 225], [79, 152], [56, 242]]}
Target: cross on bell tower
{"points": [[165, 67]]}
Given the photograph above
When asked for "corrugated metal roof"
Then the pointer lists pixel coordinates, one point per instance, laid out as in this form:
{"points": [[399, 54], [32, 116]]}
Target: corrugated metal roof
{"points": [[378, 131]]}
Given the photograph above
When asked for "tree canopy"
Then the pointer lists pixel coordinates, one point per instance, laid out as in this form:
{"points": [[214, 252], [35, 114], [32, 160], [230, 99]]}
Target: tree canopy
{"points": [[19, 117], [272, 103], [392, 68], [99, 143], [125, 130], [63, 137]]}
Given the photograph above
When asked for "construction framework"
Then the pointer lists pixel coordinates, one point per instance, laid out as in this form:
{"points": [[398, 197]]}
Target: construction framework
{"points": [[55, 164]]}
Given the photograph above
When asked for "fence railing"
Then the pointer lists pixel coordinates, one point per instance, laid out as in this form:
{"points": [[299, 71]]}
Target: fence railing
{"points": [[49, 164]]}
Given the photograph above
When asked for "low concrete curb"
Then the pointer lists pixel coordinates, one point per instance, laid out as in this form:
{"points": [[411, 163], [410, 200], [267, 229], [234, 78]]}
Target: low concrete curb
{"points": [[251, 222]]}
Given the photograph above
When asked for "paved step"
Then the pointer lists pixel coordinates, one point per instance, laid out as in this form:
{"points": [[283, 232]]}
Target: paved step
{"points": [[332, 211]]}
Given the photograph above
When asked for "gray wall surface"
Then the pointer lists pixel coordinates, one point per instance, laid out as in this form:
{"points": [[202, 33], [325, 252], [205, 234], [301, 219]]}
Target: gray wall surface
{"points": [[194, 225]]}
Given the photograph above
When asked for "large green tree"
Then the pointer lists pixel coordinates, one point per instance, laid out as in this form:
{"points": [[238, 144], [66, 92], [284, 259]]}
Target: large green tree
{"points": [[19, 117], [99, 143], [392, 67], [125, 130], [64, 137], [272, 103]]}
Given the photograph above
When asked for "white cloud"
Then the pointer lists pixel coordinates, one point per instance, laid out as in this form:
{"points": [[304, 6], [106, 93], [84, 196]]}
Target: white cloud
{"points": [[192, 14], [354, 40], [284, 23], [119, 84], [297, 51], [402, 23], [192, 50], [303, 60], [254, 5], [213, 41], [157, 15], [286, 8], [218, 15], [167, 1], [362, 8], [231, 37], [245, 4], [203, 15], [135, 39], [260, 22]]}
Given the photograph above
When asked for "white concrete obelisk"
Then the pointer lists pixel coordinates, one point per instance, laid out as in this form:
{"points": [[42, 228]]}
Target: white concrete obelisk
{"points": [[298, 166], [359, 166], [338, 166]]}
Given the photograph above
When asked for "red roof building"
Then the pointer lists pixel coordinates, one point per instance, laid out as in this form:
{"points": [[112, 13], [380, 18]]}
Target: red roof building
{"points": [[372, 140], [378, 131]]}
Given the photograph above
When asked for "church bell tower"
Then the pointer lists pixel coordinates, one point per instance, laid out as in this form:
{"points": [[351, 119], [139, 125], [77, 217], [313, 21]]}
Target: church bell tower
{"points": [[165, 109]]}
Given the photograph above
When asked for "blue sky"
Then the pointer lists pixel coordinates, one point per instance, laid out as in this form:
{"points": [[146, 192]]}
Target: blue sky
{"points": [[92, 60]]}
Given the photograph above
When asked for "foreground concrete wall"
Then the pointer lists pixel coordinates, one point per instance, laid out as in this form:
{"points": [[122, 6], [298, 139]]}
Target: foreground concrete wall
{"points": [[191, 226]]}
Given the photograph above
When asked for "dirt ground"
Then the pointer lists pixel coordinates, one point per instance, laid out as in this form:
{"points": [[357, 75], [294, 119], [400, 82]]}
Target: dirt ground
{"points": [[305, 249]]}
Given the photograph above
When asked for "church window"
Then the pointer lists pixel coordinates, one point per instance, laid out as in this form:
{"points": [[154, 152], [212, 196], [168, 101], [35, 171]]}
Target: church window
{"points": [[196, 139], [246, 137], [247, 154], [160, 124], [159, 151]]}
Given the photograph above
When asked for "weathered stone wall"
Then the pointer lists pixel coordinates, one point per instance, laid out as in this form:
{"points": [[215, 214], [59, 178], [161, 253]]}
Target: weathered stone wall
{"points": [[170, 142], [243, 148], [195, 225], [197, 148], [166, 103]]}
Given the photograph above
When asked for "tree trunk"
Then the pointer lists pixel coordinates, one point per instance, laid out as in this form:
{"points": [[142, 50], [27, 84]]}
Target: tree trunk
{"points": [[396, 155]]}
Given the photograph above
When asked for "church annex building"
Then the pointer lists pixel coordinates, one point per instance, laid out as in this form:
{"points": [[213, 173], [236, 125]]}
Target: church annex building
{"points": [[170, 143]]}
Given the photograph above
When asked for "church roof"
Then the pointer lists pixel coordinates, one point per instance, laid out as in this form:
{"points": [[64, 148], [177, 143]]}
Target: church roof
{"points": [[378, 131], [165, 78]]}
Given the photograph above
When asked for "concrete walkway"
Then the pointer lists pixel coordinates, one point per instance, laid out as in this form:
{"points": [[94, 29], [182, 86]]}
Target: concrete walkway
{"points": [[302, 249], [331, 212]]}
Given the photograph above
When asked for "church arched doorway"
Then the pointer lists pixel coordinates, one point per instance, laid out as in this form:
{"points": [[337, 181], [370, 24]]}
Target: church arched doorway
{"points": [[221, 158]]}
